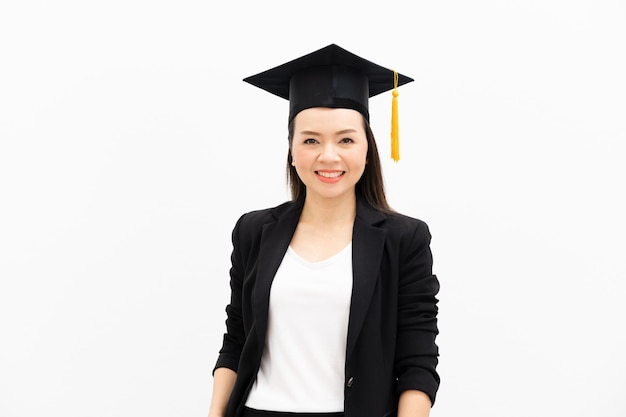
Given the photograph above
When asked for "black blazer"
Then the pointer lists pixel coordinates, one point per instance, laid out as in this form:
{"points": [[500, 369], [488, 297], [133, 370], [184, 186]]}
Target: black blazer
{"points": [[393, 312]]}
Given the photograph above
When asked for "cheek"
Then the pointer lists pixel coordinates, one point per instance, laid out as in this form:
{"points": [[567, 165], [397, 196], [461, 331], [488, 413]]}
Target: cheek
{"points": [[302, 153], [296, 155], [358, 162], [301, 161], [363, 155]]}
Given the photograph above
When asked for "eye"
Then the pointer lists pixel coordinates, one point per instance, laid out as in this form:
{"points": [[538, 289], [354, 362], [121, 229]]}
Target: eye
{"points": [[346, 140], [310, 141]]}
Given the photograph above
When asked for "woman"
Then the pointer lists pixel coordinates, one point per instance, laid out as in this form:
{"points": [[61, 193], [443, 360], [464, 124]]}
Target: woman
{"points": [[333, 308]]}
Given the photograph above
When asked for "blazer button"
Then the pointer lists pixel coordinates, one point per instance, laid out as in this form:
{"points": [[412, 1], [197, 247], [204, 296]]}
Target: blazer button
{"points": [[350, 381]]}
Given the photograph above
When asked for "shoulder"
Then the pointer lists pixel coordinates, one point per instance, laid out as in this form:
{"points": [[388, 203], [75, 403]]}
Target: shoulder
{"points": [[406, 232], [397, 226], [401, 223], [410, 239], [253, 221]]}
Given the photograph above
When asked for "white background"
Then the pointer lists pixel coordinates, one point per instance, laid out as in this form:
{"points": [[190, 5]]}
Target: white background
{"points": [[129, 146]]}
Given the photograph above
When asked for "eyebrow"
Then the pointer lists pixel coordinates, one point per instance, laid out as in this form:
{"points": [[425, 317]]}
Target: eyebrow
{"points": [[341, 132]]}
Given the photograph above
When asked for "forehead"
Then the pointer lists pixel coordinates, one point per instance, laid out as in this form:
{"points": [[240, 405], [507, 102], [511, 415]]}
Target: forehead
{"points": [[325, 118]]}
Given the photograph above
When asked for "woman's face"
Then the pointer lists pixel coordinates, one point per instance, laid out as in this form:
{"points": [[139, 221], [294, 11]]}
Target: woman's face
{"points": [[329, 150]]}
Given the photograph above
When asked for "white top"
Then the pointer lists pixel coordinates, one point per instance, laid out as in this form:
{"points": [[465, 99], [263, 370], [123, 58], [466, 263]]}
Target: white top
{"points": [[303, 363]]}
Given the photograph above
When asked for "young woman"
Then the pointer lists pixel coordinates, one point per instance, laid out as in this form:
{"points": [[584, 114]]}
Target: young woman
{"points": [[333, 309]]}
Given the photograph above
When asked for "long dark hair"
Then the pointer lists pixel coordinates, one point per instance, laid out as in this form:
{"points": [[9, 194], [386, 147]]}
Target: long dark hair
{"points": [[371, 185]]}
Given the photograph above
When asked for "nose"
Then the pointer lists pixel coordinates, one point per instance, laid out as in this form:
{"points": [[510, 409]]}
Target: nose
{"points": [[329, 153]]}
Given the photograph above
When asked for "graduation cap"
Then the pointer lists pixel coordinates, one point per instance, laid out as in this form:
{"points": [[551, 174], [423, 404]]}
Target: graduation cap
{"points": [[333, 77]]}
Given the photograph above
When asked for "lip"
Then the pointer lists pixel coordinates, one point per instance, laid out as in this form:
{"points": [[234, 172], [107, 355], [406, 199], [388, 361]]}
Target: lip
{"points": [[330, 176]]}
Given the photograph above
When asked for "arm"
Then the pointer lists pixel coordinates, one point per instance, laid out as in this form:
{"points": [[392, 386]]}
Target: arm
{"points": [[414, 403], [224, 375], [416, 349], [223, 382]]}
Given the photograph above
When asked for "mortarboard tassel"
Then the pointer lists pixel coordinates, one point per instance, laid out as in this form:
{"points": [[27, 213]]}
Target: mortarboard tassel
{"points": [[395, 135]]}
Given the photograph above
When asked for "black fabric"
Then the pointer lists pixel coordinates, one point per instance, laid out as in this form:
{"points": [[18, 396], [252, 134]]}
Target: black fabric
{"points": [[328, 77], [393, 313], [251, 412]]}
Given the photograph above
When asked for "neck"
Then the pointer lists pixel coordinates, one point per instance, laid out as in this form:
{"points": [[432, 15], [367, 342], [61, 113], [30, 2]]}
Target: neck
{"points": [[327, 211]]}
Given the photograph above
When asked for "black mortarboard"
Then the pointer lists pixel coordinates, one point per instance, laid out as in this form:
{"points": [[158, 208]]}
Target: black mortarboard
{"points": [[332, 77]]}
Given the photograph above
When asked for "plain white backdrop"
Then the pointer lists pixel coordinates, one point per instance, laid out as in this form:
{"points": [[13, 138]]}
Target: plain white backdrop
{"points": [[129, 146]]}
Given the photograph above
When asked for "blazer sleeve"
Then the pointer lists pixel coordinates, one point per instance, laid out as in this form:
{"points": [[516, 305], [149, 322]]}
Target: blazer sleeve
{"points": [[416, 350], [234, 337]]}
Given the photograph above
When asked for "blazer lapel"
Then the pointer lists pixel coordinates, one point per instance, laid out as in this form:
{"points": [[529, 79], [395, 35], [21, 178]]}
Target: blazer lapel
{"points": [[275, 239], [368, 242]]}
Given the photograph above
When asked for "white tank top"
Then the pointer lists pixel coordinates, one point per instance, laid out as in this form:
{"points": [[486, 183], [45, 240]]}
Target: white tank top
{"points": [[303, 363]]}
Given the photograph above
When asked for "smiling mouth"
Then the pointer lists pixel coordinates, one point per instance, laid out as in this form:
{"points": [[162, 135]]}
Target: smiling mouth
{"points": [[332, 174]]}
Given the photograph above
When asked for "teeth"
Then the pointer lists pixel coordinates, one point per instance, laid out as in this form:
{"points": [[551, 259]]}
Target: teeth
{"points": [[330, 174]]}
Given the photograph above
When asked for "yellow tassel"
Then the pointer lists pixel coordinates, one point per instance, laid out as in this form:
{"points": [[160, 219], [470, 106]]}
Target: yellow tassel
{"points": [[395, 134]]}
